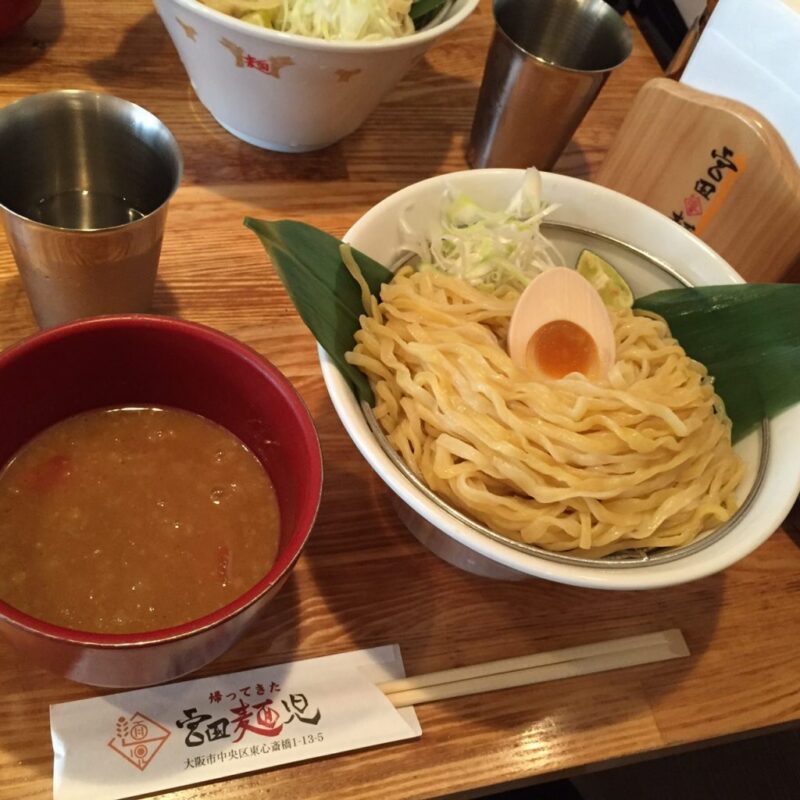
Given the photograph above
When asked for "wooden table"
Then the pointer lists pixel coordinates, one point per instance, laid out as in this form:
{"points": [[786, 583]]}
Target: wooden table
{"points": [[363, 580]]}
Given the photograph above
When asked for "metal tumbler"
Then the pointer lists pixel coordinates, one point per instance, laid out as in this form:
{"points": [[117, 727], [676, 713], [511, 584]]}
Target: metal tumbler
{"points": [[547, 62], [85, 180]]}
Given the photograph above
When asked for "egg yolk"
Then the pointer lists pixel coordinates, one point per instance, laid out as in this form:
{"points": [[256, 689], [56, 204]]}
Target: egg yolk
{"points": [[560, 347]]}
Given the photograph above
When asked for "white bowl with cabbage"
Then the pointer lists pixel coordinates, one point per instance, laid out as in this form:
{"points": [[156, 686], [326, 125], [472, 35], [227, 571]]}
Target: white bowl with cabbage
{"points": [[630, 484], [299, 75]]}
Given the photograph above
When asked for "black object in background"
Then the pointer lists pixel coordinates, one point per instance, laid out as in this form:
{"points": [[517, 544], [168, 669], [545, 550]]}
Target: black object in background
{"points": [[662, 26]]}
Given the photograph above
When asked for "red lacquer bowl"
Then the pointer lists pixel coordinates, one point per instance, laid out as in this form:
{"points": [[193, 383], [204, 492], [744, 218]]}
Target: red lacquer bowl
{"points": [[14, 13], [148, 360]]}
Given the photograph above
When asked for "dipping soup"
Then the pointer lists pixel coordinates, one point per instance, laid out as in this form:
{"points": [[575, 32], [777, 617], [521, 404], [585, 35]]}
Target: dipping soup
{"points": [[125, 520]]}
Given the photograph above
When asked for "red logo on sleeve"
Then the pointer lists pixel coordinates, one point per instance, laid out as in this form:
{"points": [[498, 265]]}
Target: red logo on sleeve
{"points": [[138, 739]]}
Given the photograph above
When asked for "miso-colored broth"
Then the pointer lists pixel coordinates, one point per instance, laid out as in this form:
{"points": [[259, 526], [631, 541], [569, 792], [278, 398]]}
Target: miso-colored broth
{"points": [[125, 520]]}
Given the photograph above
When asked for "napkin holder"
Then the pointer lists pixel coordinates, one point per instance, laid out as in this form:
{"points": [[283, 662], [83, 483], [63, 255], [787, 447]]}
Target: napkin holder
{"points": [[718, 168]]}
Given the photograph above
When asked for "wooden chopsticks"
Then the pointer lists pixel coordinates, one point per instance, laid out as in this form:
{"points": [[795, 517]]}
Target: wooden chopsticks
{"points": [[536, 668]]}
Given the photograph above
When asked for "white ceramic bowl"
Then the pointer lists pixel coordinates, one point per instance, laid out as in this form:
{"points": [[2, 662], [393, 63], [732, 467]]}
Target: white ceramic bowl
{"points": [[652, 253], [287, 92]]}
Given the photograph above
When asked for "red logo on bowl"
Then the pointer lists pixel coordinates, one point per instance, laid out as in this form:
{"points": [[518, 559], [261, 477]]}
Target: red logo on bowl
{"points": [[269, 66], [138, 739], [693, 205]]}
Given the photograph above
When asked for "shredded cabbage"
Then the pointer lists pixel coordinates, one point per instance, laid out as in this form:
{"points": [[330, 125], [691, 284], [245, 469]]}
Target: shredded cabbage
{"points": [[488, 249], [347, 20]]}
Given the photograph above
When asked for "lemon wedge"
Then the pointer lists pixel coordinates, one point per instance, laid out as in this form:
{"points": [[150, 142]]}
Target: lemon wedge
{"points": [[610, 285]]}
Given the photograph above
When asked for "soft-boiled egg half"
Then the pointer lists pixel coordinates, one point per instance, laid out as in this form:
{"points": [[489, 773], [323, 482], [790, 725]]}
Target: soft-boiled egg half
{"points": [[560, 325]]}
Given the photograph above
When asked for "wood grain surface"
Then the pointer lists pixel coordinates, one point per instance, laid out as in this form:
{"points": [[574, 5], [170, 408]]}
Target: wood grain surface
{"points": [[719, 165], [363, 580]]}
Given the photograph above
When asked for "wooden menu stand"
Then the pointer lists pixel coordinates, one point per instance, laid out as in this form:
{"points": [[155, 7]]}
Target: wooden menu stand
{"points": [[717, 167]]}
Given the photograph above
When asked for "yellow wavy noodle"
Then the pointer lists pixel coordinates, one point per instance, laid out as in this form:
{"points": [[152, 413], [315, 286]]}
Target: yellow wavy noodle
{"points": [[643, 460]]}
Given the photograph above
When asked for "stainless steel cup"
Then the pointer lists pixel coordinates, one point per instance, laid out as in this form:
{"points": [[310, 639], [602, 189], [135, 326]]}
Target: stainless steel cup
{"points": [[547, 62], [85, 180]]}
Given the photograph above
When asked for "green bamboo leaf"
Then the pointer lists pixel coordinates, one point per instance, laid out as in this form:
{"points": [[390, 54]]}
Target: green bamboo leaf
{"points": [[747, 335], [422, 8], [324, 293]]}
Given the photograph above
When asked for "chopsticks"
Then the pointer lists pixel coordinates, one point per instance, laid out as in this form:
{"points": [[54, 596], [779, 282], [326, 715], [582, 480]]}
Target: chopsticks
{"points": [[536, 668]]}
